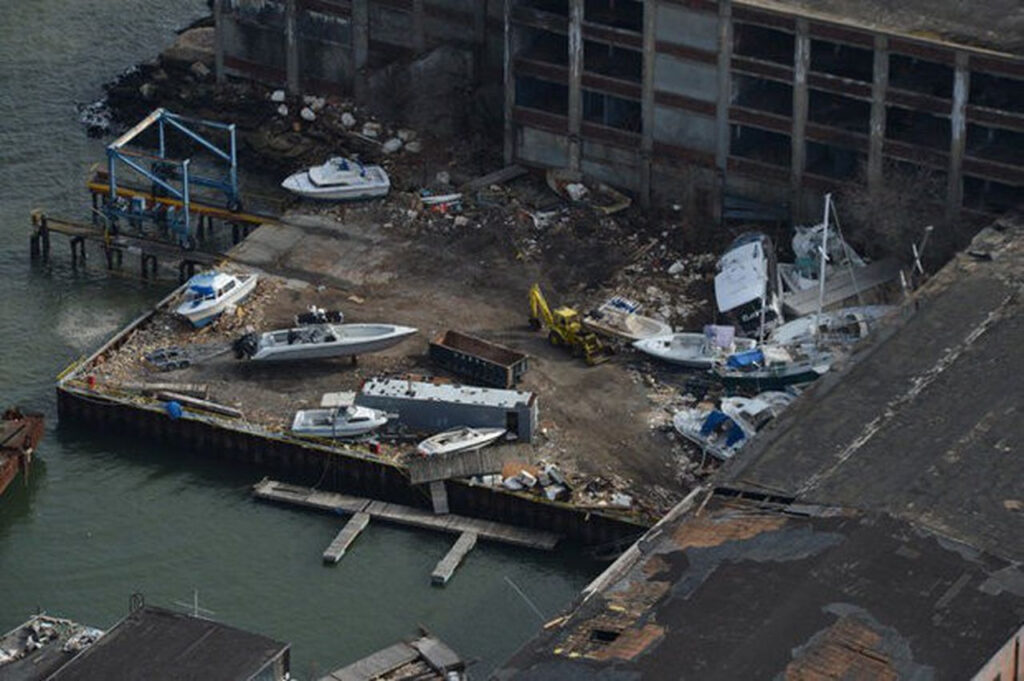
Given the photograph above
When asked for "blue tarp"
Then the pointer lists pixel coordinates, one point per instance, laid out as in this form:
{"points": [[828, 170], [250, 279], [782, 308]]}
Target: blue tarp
{"points": [[202, 284], [714, 420], [745, 359]]}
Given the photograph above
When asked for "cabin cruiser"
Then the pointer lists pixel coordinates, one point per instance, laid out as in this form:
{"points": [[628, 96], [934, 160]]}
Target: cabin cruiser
{"points": [[207, 295], [340, 179], [340, 422]]}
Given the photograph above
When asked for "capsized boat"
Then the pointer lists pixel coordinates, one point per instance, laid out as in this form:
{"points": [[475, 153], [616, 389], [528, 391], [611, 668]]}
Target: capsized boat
{"points": [[805, 271], [207, 295], [746, 284], [844, 326], [320, 341], [20, 433], [696, 350], [617, 317], [772, 367], [463, 439], [339, 179], [722, 432], [339, 422]]}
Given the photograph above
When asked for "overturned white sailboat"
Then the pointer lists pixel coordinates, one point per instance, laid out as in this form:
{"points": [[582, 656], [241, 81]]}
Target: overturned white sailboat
{"points": [[463, 439], [340, 422], [696, 350], [320, 341], [339, 179], [838, 327]]}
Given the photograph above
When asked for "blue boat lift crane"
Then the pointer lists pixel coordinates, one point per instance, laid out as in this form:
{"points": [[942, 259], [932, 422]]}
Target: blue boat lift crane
{"points": [[170, 177]]}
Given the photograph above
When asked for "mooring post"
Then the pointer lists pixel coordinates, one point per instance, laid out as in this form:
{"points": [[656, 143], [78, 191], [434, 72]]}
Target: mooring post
{"points": [[77, 250]]}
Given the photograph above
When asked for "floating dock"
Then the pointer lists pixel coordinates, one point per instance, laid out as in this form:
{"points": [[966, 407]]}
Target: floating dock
{"points": [[426, 658], [333, 502], [348, 534], [446, 566]]}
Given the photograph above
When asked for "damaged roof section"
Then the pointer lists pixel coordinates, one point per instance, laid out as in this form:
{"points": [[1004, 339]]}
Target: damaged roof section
{"points": [[927, 424], [742, 591]]}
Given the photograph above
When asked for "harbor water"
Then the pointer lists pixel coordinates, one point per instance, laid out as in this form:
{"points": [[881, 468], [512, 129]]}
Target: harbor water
{"points": [[104, 516]]}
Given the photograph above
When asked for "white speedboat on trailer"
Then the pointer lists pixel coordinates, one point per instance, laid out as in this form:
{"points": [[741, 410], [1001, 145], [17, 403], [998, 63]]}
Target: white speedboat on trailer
{"points": [[207, 295], [320, 341], [340, 422], [844, 326], [340, 179], [723, 431], [463, 439], [696, 350]]}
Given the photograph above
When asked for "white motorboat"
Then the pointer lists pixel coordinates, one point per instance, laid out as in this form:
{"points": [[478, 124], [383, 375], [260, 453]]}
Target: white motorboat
{"points": [[320, 341], [340, 179], [340, 422], [463, 439], [210, 293], [844, 326], [617, 317], [724, 431], [808, 243], [746, 282], [696, 350]]}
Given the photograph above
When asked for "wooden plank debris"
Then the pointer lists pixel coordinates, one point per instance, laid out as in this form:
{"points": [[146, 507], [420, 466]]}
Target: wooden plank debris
{"points": [[497, 177], [376, 665], [446, 566], [200, 390], [195, 403], [840, 286], [334, 502], [356, 524], [458, 464]]}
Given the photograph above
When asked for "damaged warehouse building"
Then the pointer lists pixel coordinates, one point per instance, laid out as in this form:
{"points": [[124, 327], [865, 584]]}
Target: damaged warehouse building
{"points": [[721, 106]]}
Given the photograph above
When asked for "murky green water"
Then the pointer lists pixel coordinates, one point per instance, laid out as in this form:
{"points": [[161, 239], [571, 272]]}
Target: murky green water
{"points": [[105, 516]]}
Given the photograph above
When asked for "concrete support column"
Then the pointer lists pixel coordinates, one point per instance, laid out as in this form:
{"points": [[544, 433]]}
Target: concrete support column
{"points": [[723, 132], [360, 46], [958, 135], [419, 35], [510, 84], [801, 65], [647, 101], [291, 46], [218, 40], [575, 81], [879, 86]]}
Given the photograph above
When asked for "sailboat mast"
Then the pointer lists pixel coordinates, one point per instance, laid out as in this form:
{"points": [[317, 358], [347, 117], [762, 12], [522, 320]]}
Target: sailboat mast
{"points": [[822, 260]]}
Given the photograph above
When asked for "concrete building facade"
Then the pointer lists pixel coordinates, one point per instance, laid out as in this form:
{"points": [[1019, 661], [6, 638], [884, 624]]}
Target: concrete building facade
{"points": [[696, 102]]}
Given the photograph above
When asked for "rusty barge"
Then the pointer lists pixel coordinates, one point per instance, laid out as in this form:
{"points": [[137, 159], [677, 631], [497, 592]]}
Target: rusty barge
{"points": [[20, 433]]}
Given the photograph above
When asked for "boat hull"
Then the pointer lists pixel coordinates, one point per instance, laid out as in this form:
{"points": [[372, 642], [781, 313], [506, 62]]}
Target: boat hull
{"points": [[459, 440], [345, 347], [687, 350], [761, 381], [322, 423], [201, 315], [300, 185]]}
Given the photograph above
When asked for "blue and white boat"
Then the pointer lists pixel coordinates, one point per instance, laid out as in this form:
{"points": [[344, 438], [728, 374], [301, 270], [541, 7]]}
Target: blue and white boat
{"points": [[210, 293], [339, 179]]}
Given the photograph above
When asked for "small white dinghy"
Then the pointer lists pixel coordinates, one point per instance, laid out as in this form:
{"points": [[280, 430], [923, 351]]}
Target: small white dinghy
{"points": [[340, 179], [724, 431], [463, 439], [340, 422], [210, 293], [696, 350], [320, 341]]}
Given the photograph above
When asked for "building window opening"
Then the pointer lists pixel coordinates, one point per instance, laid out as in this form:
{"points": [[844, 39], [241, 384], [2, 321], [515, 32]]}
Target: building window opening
{"points": [[766, 44], [611, 111], [918, 75], [761, 145], [995, 144], [543, 95], [997, 92], [917, 127], [836, 163], [627, 14], [838, 111], [545, 46], [559, 7], [616, 62], [990, 196], [841, 60], [762, 94]]}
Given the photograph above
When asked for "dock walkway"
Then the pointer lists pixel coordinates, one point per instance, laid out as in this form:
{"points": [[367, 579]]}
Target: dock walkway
{"points": [[446, 566], [348, 534], [271, 490]]}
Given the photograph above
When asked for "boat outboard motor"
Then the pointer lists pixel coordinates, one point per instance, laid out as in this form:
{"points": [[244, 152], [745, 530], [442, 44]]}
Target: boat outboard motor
{"points": [[247, 345]]}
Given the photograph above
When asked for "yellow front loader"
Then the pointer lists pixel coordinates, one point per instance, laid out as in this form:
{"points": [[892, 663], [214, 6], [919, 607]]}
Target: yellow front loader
{"points": [[565, 329]]}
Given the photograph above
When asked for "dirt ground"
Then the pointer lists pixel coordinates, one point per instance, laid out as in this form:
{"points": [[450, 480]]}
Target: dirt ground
{"points": [[605, 426]]}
